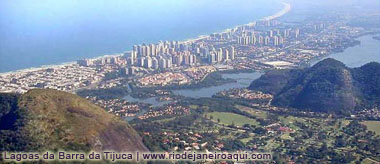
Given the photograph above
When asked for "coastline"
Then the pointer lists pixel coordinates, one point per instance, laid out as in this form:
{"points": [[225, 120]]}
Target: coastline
{"points": [[32, 69], [286, 9]]}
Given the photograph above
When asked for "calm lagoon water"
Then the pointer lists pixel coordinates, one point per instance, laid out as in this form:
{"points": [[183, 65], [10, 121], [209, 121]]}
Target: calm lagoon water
{"points": [[367, 51], [242, 80], [41, 32], [151, 100]]}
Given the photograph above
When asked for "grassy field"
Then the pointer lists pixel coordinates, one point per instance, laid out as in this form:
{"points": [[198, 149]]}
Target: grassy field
{"points": [[372, 126], [254, 112], [289, 121], [246, 140], [194, 106], [368, 161], [286, 136], [227, 118], [165, 120]]}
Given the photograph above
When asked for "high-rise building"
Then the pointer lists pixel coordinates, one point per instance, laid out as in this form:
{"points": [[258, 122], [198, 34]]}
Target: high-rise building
{"points": [[108, 60], [240, 40], [148, 62], [198, 50], [178, 59], [140, 61], [193, 59], [219, 56], [211, 58], [130, 61], [271, 33], [277, 32], [275, 41], [246, 40], [186, 59], [162, 63], [253, 39], [261, 40], [139, 51], [266, 40], [114, 60], [132, 55], [205, 52], [155, 64], [148, 52], [232, 53], [297, 33], [286, 33], [152, 49], [281, 40], [102, 61], [169, 62], [226, 54], [135, 48], [143, 50]]}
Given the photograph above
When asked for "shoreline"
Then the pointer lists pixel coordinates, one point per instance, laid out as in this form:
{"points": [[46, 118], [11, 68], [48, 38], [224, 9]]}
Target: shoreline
{"points": [[32, 69], [285, 9]]}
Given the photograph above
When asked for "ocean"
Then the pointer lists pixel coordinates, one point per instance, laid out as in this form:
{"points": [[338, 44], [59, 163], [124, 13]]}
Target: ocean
{"points": [[43, 32]]}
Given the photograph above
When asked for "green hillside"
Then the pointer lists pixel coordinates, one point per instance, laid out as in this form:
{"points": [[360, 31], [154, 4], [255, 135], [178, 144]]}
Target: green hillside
{"points": [[43, 119], [328, 86]]}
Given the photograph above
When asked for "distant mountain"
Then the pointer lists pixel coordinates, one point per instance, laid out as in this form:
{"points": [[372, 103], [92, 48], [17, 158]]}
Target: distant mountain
{"points": [[328, 86], [43, 119]]}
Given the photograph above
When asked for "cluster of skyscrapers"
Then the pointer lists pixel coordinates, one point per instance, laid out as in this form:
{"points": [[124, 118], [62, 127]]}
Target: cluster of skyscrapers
{"points": [[216, 48], [248, 36], [166, 54], [221, 55], [162, 55]]}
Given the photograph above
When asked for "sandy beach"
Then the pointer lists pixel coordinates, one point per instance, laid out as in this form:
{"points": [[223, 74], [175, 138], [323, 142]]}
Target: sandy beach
{"points": [[287, 7], [54, 65]]}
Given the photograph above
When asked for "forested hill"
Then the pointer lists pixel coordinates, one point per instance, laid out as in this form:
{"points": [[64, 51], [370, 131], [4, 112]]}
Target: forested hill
{"points": [[328, 86]]}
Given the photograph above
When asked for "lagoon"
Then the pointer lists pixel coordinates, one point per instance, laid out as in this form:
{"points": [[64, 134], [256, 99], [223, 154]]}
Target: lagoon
{"points": [[242, 80], [367, 51]]}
